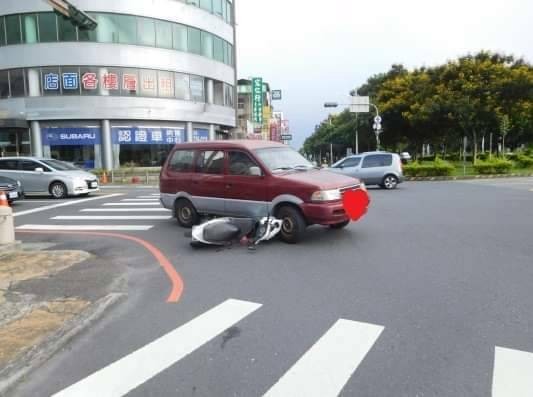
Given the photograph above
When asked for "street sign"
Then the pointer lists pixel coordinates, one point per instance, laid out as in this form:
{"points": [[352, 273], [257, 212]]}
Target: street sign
{"points": [[276, 95], [257, 100], [377, 119], [376, 126], [286, 137], [360, 104]]}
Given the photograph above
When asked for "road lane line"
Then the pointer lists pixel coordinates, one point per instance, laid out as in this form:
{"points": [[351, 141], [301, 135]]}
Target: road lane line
{"points": [[131, 371], [326, 367], [153, 199], [86, 227], [111, 217], [65, 204], [156, 194], [124, 210], [129, 204], [149, 197], [513, 373]]}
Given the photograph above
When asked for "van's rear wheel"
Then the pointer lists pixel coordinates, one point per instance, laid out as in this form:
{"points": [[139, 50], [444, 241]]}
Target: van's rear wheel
{"points": [[186, 213], [293, 224]]}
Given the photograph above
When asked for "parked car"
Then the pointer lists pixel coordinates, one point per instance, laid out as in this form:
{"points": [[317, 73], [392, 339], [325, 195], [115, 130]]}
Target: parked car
{"points": [[12, 188], [405, 157], [373, 168], [252, 179], [48, 176]]}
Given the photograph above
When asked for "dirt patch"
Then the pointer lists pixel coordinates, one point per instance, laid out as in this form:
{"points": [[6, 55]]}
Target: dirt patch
{"points": [[22, 334]]}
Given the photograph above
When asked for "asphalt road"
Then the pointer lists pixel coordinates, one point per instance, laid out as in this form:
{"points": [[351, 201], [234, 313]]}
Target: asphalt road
{"points": [[414, 300]]}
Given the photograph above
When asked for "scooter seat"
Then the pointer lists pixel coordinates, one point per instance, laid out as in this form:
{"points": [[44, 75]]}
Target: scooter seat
{"points": [[221, 232]]}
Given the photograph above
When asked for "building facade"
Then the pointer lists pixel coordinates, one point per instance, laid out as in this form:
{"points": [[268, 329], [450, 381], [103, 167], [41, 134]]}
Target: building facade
{"points": [[152, 74]]}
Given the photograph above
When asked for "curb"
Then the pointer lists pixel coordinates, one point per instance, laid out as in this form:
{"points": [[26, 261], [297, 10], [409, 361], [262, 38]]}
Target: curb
{"points": [[39, 354], [467, 177]]}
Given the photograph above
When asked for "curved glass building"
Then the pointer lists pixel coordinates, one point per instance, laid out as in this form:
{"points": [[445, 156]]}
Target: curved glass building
{"points": [[151, 74]]}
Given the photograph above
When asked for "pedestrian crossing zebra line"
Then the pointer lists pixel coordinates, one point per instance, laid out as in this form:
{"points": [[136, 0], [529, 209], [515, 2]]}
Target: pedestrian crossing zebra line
{"points": [[513, 373], [131, 204], [143, 200], [85, 228], [111, 217], [125, 210]]}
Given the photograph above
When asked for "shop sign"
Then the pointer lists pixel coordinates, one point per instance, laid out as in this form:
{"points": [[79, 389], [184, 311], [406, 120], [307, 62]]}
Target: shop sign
{"points": [[51, 82], [129, 82], [147, 136], [82, 136], [110, 81], [89, 81], [70, 81], [200, 135], [257, 100]]}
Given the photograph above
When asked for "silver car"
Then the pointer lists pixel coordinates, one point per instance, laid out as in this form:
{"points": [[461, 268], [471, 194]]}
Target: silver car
{"points": [[48, 176], [373, 168]]}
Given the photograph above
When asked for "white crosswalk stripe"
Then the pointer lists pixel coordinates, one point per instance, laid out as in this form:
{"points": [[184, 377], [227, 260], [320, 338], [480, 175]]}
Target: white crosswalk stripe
{"points": [[143, 200], [112, 217], [125, 210], [513, 373], [131, 371], [326, 367], [129, 204], [86, 227]]}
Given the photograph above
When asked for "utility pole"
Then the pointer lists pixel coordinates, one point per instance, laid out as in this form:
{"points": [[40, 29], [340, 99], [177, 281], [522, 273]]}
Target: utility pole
{"points": [[356, 133]]}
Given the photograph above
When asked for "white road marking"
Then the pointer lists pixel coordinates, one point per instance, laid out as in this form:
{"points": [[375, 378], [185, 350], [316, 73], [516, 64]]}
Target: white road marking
{"points": [[129, 204], [156, 194], [112, 217], [86, 227], [124, 210], [131, 371], [65, 204], [513, 373], [153, 199], [326, 367]]}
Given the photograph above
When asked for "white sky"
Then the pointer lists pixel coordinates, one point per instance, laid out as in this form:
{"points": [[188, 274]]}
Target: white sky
{"points": [[317, 50]]}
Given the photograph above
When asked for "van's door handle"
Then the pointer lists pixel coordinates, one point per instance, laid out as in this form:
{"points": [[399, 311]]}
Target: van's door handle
{"points": [[228, 186]]}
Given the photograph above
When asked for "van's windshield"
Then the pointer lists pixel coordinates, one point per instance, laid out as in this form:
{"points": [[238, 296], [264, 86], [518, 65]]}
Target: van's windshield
{"points": [[280, 159]]}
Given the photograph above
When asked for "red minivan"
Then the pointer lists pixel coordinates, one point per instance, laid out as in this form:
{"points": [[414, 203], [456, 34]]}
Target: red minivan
{"points": [[251, 178]]}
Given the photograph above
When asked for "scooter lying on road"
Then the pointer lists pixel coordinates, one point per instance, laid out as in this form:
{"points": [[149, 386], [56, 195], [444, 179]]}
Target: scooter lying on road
{"points": [[225, 231]]}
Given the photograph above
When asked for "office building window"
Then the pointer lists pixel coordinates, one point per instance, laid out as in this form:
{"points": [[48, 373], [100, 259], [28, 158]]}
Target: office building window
{"points": [[47, 27], [194, 40], [29, 28], [218, 49], [197, 89], [182, 86], [13, 33], [207, 5], [207, 44], [146, 31], [127, 29], [4, 84], [179, 37], [163, 34], [65, 29], [16, 78]]}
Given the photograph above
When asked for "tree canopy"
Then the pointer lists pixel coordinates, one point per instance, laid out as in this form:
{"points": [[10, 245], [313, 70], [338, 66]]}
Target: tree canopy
{"points": [[472, 97]]}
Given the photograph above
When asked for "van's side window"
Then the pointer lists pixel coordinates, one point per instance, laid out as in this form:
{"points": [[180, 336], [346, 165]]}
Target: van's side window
{"points": [[377, 160], [182, 161], [210, 162], [240, 163]]}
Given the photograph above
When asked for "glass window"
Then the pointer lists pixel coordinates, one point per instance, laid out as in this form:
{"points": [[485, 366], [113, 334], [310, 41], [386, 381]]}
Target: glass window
{"points": [[224, 11], [16, 77], [228, 12], [210, 162], [107, 29], [65, 29], [279, 159], [9, 164], [50, 81], [230, 55], [240, 163], [197, 89], [207, 5], [89, 80], [4, 84], [182, 161], [130, 82], [217, 7], [179, 37], [28, 165], [228, 95], [47, 27], [195, 40], [13, 33], [29, 28], [351, 162], [127, 29], [2, 32], [225, 49], [165, 84], [70, 80], [377, 160], [163, 34], [218, 49], [207, 44], [218, 93], [182, 86], [146, 31], [109, 81], [148, 82], [86, 34]]}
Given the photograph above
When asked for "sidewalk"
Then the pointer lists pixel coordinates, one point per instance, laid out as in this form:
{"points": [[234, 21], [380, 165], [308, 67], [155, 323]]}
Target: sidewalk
{"points": [[46, 298]]}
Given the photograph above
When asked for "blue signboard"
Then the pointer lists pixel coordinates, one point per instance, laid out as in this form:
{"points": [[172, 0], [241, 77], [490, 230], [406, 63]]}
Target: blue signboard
{"points": [[147, 136], [200, 135], [71, 136]]}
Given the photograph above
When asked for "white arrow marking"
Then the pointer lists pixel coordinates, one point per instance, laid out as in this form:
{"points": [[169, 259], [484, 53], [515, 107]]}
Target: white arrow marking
{"points": [[326, 367], [131, 371], [513, 373]]}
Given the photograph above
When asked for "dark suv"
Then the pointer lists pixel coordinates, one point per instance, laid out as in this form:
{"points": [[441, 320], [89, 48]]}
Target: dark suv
{"points": [[252, 179]]}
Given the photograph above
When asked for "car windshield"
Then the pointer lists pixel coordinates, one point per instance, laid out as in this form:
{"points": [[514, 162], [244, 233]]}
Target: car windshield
{"points": [[60, 165], [283, 159]]}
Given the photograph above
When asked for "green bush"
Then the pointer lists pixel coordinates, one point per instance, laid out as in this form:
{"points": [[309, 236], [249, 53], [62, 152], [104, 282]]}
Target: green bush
{"points": [[524, 161], [436, 168], [497, 166]]}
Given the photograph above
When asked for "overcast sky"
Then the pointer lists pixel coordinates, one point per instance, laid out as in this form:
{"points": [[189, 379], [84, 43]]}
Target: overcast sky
{"points": [[317, 50]]}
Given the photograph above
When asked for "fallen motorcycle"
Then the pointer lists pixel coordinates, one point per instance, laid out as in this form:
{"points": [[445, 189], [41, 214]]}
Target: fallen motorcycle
{"points": [[225, 231]]}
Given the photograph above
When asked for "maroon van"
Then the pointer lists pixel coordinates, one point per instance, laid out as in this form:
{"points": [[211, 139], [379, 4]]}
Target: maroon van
{"points": [[252, 178]]}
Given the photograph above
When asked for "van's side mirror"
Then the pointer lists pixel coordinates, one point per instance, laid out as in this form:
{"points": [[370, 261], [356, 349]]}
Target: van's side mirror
{"points": [[255, 171], [39, 169]]}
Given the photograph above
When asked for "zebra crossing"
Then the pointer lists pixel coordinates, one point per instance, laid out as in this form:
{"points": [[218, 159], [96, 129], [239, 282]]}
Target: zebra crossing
{"points": [[110, 216], [322, 371]]}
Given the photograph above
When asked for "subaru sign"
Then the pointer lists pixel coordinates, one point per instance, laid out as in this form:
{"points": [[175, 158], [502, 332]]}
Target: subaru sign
{"points": [[83, 136]]}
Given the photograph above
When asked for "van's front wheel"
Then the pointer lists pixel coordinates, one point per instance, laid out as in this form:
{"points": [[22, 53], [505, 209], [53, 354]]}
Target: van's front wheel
{"points": [[186, 213], [293, 224]]}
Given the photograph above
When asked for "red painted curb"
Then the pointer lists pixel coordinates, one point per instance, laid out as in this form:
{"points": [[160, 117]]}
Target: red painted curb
{"points": [[173, 275]]}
